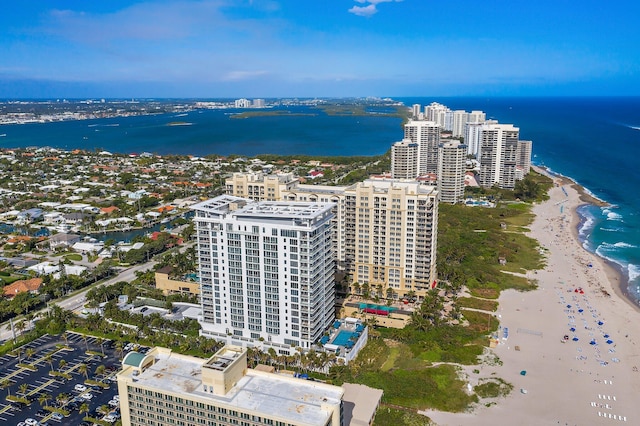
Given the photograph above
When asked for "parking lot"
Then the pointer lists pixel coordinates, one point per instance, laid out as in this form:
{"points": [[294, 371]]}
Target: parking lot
{"points": [[28, 375]]}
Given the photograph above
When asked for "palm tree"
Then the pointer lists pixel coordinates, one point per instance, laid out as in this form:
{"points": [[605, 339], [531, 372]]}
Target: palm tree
{"points": [[49, 359], [62, 398], [101, 341], [84, 336], [30, 352], [61, 364], [6, 384], [365, 290], [103, 409], [119, 348], [83, 369], [20, 326], [65, 337], [43, 398], [84, 408], [100, 370], [23, 389], [389, 293], [356, 288]]}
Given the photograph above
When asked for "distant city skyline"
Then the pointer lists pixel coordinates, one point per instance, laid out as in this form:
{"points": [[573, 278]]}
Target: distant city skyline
{"points": [[338, 48]]}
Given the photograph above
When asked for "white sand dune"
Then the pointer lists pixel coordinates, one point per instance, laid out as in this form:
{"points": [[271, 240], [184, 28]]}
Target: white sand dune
{"points": [[575, 382]]}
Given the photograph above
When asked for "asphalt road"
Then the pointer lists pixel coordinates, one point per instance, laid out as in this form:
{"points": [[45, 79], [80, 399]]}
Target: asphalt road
{"points": [[76, 301]]}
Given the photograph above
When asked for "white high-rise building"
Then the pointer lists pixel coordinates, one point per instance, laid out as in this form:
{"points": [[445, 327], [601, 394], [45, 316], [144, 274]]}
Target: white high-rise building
{"points": [[472, 136], [242, 103], [415, 111], [427, 135], [404, 159], [497, 155], [258, 103], [451, 171], [460, 118], [435, 112], [266, 271]]}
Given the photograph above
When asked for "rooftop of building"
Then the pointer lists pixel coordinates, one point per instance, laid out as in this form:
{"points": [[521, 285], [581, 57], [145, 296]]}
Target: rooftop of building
{"points": [[292, 400], [410, 186], [223, 204], [286, 209], [219, 205]]}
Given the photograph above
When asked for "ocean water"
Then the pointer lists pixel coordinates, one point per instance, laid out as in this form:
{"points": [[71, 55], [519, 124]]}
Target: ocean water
{"points": [[595, 141]]}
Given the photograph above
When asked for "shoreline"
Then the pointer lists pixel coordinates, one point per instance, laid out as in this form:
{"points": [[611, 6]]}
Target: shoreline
{"points": [[566, 380], [615, 272]]}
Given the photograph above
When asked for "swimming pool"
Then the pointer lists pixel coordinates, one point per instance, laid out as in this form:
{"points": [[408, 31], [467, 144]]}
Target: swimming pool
{"points": [[343, 337]]}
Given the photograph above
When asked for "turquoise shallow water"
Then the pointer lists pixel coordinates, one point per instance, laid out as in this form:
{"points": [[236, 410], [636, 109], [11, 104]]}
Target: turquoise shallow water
{"points": [[595, 141]]}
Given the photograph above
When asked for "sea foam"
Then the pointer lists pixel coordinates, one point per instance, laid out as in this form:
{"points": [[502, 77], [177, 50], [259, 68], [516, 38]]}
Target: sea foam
{"points": [[633, 271]]}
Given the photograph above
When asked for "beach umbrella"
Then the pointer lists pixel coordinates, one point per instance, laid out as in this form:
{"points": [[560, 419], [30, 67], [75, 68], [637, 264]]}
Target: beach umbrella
{"points": [[572, 329], [575, 339], [568, 306], [593, 342], [523, 373], [609, 342], [600, 323], [581, 310], [606, 336]]}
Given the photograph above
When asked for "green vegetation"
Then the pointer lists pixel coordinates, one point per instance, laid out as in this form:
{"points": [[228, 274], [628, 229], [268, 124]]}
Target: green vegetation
{"points": [[475, 303], [59, 374], [73, 257], [471, 242], [387, 416], [27, 366], [493, 388]]}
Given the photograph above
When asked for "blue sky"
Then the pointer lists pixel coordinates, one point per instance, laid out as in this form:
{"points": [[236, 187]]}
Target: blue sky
{"points": [[324, 48]]}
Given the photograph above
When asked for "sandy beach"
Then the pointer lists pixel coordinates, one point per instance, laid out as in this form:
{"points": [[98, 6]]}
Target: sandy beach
{"points": [[576, 336]]}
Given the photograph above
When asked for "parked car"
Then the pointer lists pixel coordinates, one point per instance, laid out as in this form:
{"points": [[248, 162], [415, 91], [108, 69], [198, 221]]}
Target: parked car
{"points": [[79, 388], [57, 416]]}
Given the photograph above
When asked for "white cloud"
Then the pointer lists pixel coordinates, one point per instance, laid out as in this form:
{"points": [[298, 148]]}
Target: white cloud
{"points": [[370, 9]]}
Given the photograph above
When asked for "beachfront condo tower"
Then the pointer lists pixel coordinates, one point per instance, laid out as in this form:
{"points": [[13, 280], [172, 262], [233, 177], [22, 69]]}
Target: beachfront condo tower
{"points": [[266, 271], [404, 160], [384, 230], [523, 158], [497, 155], [452, 157], [427, 135]]}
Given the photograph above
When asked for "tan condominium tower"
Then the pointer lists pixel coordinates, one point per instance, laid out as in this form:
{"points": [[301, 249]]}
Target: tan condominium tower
{"points": [[391, 234], [404, 159], [368, 217]]}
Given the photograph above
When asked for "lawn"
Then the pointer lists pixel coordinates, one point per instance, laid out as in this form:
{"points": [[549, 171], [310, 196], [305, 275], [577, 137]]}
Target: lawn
{"points": [[475, 303]]}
